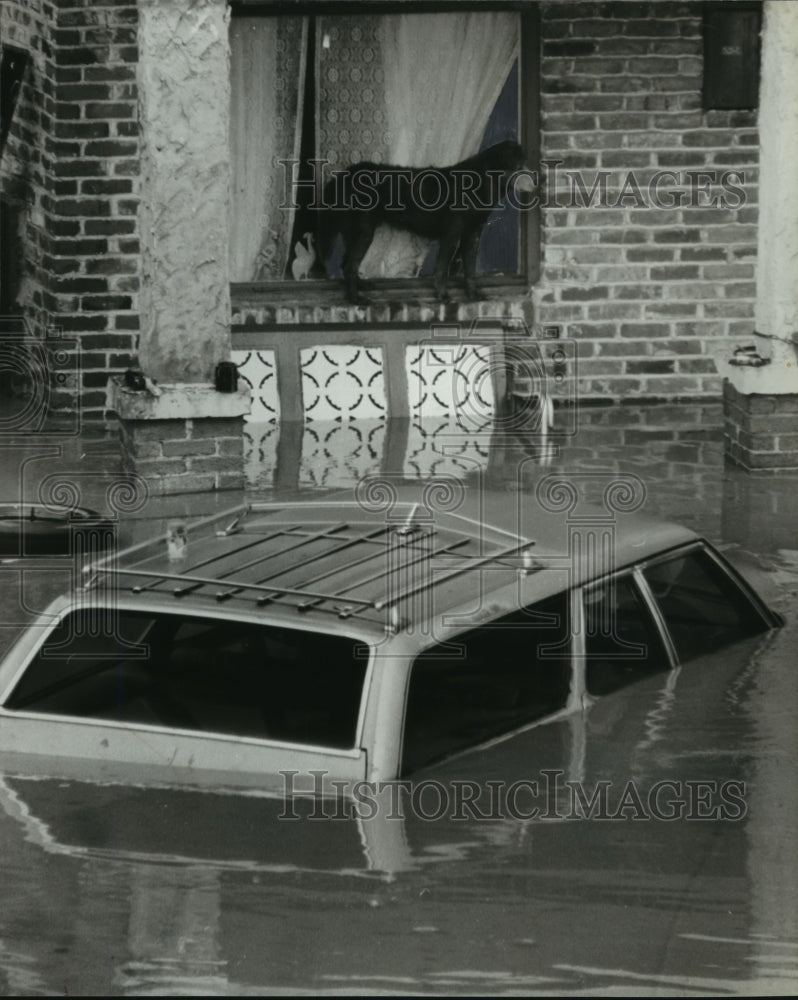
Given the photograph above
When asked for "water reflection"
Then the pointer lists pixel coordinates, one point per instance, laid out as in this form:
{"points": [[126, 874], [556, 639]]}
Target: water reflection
{"points": [[126, 889], [677, 450], [173, 933], [209, 893]]}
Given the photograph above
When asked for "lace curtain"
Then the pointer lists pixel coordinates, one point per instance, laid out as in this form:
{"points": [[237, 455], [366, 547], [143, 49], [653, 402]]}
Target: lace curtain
{"points": [[267, 57]]}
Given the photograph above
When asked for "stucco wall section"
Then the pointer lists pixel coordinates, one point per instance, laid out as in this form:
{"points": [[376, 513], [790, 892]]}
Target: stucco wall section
{"points": [[777, 271], [184, 110], [26, 165]]}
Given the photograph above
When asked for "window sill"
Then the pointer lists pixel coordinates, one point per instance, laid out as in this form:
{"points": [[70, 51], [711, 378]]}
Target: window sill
{"points": [[320, 303]]}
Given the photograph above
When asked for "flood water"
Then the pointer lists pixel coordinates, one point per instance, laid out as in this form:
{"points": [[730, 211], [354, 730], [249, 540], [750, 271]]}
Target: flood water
{"points": [[685, 885]]}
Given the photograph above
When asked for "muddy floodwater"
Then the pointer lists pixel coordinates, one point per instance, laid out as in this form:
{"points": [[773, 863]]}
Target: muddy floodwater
{"points": [[675, 873]]}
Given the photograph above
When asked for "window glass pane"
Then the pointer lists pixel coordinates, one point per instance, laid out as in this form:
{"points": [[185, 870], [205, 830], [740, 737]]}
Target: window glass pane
{"points": [[416, 90], [487, 682], [703, 607], [622, 643], [217, 676]]}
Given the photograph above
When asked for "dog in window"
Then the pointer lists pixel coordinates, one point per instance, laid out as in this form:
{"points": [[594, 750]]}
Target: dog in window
{"points": [[448, 204]]}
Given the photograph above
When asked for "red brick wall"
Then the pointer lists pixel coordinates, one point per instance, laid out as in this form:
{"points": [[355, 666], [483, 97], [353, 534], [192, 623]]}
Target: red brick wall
{"points": [[646, 291], [82, 245]]}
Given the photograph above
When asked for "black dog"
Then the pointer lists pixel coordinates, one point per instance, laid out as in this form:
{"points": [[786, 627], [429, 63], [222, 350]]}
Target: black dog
{"points": [[448, 204]]}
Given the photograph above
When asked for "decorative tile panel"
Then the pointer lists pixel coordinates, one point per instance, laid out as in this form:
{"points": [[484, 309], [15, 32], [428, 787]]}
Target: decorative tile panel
{"points": [[451, 380], [342, 382], [257, 370]]}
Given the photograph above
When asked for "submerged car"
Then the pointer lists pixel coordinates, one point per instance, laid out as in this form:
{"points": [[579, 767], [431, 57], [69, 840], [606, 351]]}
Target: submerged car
{"points": [[359, 639]]}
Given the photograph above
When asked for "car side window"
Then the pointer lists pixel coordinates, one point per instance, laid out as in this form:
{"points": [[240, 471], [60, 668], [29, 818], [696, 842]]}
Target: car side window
{"points": [[208, 675], [622, 642], [487, 682], [703, 607]]}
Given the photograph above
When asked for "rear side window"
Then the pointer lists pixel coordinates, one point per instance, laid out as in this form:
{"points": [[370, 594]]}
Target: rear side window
{"points": [[702, 605], [622, 642], [487, 682], [184, 672]]}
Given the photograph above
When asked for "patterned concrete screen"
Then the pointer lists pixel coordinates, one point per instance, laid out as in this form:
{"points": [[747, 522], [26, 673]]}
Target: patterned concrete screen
{"points": [[451, 379], [373, 374], [320, 410], [257, 369], [341, 381]]}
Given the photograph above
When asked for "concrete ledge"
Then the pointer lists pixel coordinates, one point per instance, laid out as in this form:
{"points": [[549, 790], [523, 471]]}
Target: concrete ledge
{"points": [[180, 401], [255, 309]]}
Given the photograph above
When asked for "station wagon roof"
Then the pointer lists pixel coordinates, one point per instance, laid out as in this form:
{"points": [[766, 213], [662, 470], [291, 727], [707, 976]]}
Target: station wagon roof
{"points": [[378, 564]]}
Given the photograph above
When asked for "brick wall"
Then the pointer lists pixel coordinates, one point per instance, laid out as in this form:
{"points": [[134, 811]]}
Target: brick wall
{"points": [[81, 246], [94, 211], [647, 291], [761, 430]]}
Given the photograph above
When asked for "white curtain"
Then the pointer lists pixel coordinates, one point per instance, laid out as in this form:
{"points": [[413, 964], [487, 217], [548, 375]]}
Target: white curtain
{"points": [[443, 76], [268, 57]]}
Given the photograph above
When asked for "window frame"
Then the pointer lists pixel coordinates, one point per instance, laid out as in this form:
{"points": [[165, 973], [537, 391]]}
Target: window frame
{"points": [[769, 618], [17, 677], [637, 570], [328, 292], [578, 695], [641, 591], [572, 696]]}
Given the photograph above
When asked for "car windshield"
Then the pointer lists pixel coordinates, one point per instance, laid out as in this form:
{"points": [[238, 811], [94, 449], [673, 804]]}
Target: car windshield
{"points": [[196, 673]]}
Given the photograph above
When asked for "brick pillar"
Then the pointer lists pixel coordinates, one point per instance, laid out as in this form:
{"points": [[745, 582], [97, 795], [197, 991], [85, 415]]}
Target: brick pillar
{"points": [[68, 178], [189, 437], [761, 401]]}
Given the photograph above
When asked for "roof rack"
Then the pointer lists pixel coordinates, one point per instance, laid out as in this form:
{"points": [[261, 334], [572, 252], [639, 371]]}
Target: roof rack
{"points": [[472, 563], [270, 561]]}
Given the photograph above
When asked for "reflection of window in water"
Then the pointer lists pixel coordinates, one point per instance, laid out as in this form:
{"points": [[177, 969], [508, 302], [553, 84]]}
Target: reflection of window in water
{"points": [[622, 643], [215, 676], [416, 90], [487, 682]]}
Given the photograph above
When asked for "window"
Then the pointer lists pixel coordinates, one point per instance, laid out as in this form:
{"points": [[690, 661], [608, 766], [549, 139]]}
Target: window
{"points": [[326, 90], [703, 609], [731, 54], [622, 643], [201, 674], [487, 682]]}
